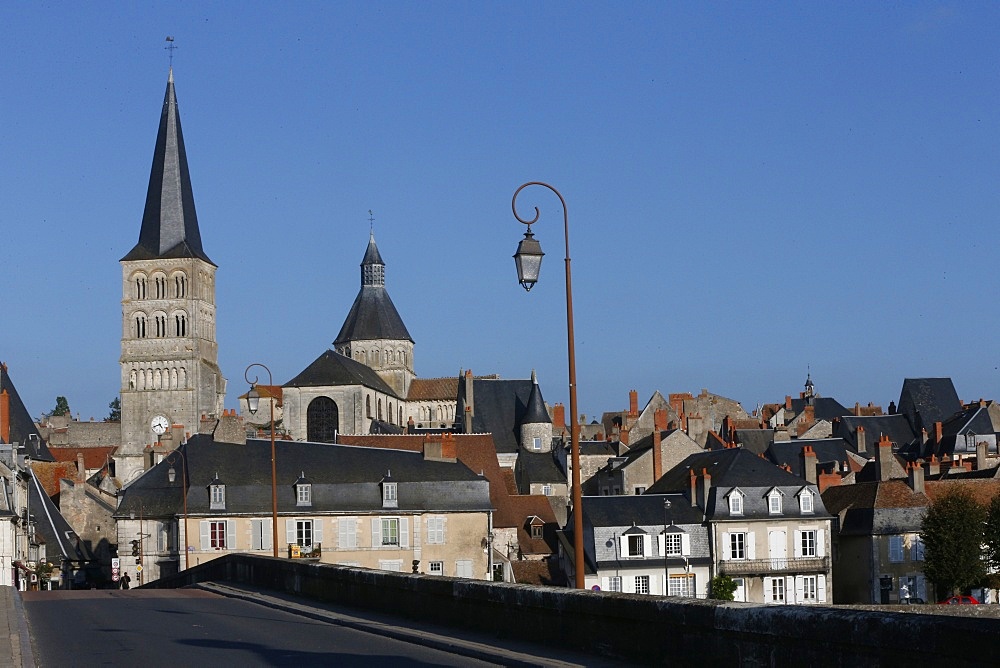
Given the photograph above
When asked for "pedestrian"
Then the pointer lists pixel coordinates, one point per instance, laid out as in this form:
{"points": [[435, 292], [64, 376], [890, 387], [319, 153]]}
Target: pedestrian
{"points": [[125, 580]]}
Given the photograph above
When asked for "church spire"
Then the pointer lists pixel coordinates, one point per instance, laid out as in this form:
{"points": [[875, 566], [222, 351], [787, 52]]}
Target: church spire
{"points": [[372, 266], [169, 222]]}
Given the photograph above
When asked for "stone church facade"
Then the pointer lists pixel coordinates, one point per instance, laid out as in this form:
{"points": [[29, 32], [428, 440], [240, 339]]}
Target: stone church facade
{"points": [[170, 374]]}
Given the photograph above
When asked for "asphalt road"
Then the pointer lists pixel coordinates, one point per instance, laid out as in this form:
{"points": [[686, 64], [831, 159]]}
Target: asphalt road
{"points": [[193, 627]]}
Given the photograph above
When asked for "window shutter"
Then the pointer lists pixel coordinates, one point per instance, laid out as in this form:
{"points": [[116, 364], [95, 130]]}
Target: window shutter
{"points": [[205, 544], [790, 590], [318, 531], [751, 547], [404, 532], [768, 593], [376, 532], [290, 532], [661, 544], [256, 534], [799, 587], [821, 588], [267, 537], [647, 546], [653, 585], [230, 535], [820, 543], [686, 545], [726, 546], [798, 546], [628, 585], [623, 547]]}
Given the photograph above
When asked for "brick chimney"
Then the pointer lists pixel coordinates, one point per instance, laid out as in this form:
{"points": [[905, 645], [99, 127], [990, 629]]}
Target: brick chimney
{"points": [[660, 419], [468, 420], [807, 421], [449, 450], [938, 434], [980, 455], [859, 435], [623, 435], [788, 402], [809, 464], [657, 454], [633, 403], [694, 488], [915, 477], [558, 417], [81, 471], [4, 416], [883, 457], [933, 466], [827, 480], [705, 483]]}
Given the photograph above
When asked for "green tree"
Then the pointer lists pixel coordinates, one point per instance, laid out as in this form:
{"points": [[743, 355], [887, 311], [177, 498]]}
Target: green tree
{"points": [[62, 407], [991, 537], [116, 411], [722, 588], [953, 534]]}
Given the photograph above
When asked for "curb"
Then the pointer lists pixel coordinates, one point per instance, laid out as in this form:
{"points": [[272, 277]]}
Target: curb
{"points": [[22, 646]]}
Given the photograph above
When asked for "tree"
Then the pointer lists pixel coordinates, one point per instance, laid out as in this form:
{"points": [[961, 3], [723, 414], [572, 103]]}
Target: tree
{"points": [[722, 588], [953, 536], [62, 407], [116, 411], [991, 537]]}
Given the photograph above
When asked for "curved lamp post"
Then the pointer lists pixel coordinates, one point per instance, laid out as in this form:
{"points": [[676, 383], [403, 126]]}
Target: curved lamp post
{"points": [[172, 476], [528, 260], [253, 402]]}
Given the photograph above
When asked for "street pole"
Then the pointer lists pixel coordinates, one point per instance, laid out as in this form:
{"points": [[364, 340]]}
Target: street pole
{"points": [[253, 398]]}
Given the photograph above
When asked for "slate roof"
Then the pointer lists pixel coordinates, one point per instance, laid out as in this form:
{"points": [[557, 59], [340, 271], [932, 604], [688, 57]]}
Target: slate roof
{"points": [[955, 430], [642, 510], [755, 440], [373, 316], [22, 427], [500, 407], [732, 467], [169, 222], [825, 408], [790, 452], [345, 479], [896, 427], [51, 527], [925, 401], [538, 468], [536, 412], [332, 368]]}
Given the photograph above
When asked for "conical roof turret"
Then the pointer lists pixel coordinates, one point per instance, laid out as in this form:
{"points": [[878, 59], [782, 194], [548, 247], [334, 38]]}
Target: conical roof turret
{"points": [[535, 412], [169, 222]]}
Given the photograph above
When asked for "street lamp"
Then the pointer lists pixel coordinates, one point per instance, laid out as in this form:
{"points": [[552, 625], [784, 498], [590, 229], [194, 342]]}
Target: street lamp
{"points": [[172, 476], [253, 402], [528, 260]]}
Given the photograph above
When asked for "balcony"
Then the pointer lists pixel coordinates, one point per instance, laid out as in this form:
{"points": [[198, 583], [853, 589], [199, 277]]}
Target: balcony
{"points": [[769, 566], [314, 551]]}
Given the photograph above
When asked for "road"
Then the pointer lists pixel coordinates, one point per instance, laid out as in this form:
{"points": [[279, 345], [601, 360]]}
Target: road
{"points": [[193, 627]]}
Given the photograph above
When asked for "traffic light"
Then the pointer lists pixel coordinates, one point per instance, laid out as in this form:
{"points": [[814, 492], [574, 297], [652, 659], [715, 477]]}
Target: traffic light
{"points": [[135, 548]]}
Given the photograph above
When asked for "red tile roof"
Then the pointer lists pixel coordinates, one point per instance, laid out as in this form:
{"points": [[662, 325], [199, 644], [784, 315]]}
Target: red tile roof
{"points": [[425, 389], [49, 474], [93, 458]]}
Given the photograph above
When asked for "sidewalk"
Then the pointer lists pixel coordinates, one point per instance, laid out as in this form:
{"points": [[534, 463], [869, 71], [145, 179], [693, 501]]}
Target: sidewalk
{"points": [[15, 646], [471, 644]]}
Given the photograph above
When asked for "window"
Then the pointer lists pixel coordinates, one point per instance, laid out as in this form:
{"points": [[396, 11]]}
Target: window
{"points": [[463, 568], [635, 546], [161, 286], [304, 532], [322, 420], [640, 490], [389, 499], [735, 502], [615, 583], [808, 543], [547, 490], [303, 494], [536, 531], [536, 443], [140, 287], [774, 502], [681, 585], [395, 565], [390, 531], [180, 285], [368, 406], [260, 535], [806, 502], [180, 324], [217, 535], [738, 545], [917, 549], [641, 584], [774, 590], [140, 326], [809, 589], [218, 497], [672, 544], [435, 530], [895, 549], [436, 568], [347, 538], [498, 572]]}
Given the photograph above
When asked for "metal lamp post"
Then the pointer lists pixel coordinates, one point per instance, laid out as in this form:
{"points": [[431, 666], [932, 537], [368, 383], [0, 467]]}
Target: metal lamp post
{"points": [[253, 402], [528, 260], [172, 476]]}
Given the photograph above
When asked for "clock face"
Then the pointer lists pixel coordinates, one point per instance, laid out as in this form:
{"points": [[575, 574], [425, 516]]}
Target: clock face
{"points": [[160, 424]]}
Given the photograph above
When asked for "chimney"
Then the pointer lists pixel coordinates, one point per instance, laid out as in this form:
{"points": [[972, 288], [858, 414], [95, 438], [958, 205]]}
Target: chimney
{"points": [[827, 480], [915, 477], [623, 435], [633, 403], [859, 435], [807, 421], [410, 427], [938, 434], [660, 419], [706, 486], [980, 455], [882, 458], [470, 404], [809, 464], [558, 417], [857, 408], [933, 466], [468, 420], [657, 455], [81, 472], [982, 403], [4, 416], [788, 402], [694, 489], [684, 423], [449, 450]]}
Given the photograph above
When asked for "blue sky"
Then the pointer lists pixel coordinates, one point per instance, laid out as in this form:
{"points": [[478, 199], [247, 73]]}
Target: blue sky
{"points": [[753, 188]]}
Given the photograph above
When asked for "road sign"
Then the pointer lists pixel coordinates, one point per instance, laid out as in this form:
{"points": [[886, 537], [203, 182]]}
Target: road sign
{"points": [[138, 569], [116, 569]]}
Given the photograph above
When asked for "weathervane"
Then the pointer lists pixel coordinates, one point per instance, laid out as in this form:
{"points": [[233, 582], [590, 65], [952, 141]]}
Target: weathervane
{"points": [[371, 221], [170, 47]]}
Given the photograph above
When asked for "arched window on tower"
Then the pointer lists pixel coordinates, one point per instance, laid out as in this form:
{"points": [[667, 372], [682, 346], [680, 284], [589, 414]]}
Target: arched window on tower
{"points": [[322, 420], [160, 283], [160, 323], [180, 324], [140, 287], [180, 285], [140, 325]]}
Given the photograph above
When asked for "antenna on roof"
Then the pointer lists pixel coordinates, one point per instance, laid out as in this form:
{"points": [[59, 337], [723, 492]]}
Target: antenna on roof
{"points": [[170, 47]]}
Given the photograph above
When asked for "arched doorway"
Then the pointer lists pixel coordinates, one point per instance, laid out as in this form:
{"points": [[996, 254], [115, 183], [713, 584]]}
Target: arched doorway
{"points": [[322, 420]]}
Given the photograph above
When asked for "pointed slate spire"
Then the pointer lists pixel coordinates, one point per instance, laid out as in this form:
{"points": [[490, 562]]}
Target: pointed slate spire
{"points": [[169, 222], [373, 315], [372, 266], [535, 412]]}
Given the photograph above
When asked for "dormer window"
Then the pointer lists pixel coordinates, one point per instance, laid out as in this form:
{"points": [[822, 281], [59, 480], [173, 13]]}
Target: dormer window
{"points": [[303, 491], [806, 502], [389, 493], [635, 544], [736, 502], [774, 502], [217, 494]]}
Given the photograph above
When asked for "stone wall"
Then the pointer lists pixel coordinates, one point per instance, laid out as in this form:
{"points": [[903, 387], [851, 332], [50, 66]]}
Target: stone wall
{"points": [[630, 627]]}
